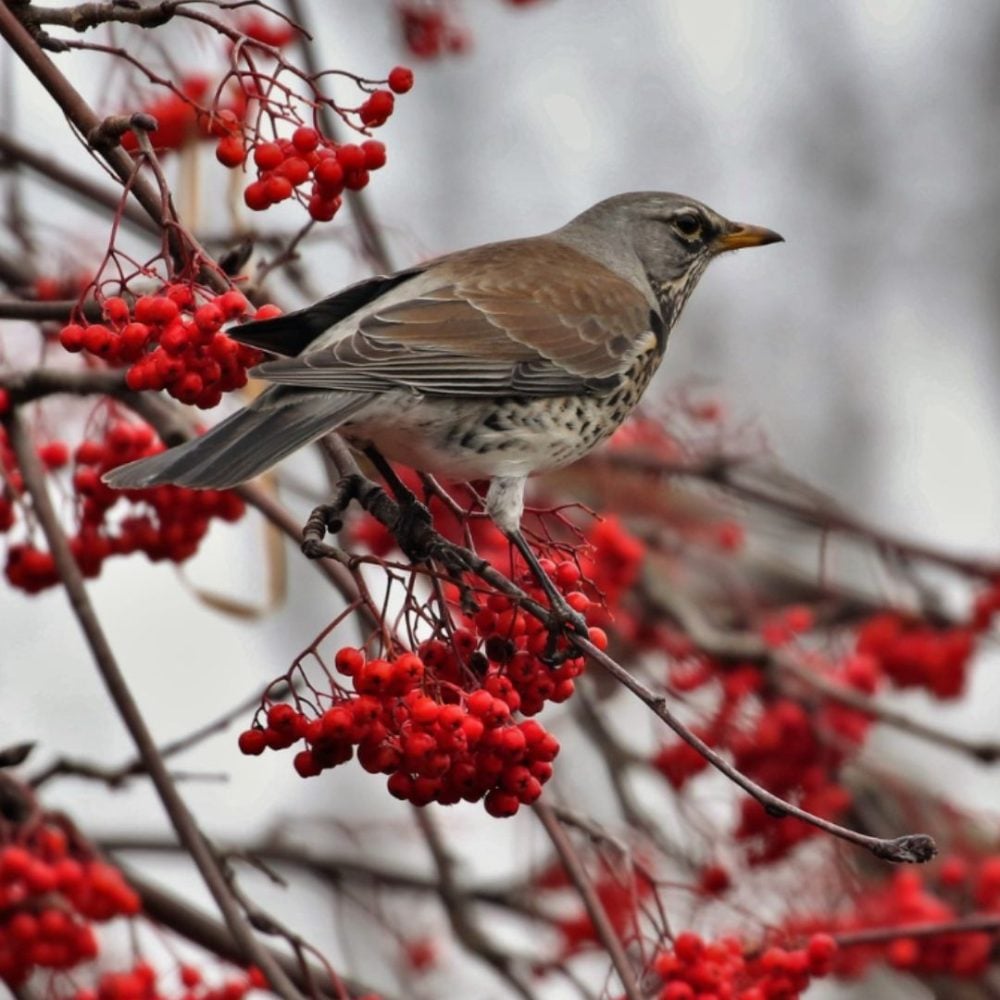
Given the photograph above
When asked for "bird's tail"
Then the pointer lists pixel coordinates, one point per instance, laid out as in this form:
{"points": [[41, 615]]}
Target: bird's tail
{"points": [[246, 444]]}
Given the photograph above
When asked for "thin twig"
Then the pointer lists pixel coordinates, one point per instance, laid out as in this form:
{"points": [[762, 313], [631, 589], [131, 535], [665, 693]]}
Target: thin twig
{"points": [[456, 905], [180, 917], [591, 901]]}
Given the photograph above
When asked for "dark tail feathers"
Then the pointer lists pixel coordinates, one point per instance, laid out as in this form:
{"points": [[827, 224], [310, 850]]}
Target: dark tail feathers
{"points": [[246, 444]]}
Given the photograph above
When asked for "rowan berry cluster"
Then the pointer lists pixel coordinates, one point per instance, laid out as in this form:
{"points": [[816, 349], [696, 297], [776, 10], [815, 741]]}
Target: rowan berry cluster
{"points": [[431, 31], [440, 722], [172, 340], [435, 741], [309, 166], [142, 982], [694, 969], [621, 898], [166, 522], [178, 121], [52, 890], [918, 898], [775, 741], [917, 654]]}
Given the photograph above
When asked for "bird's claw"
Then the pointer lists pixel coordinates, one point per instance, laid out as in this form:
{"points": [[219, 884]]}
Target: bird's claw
{"points": [[562, 619], [414, 531]]}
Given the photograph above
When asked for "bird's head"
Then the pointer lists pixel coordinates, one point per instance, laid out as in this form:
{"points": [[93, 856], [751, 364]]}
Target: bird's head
{"points": [[668, 237]]}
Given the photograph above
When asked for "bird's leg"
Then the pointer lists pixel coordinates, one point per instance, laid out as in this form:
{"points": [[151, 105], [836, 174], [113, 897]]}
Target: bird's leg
{"points": [[505, 505], [414, 527]]}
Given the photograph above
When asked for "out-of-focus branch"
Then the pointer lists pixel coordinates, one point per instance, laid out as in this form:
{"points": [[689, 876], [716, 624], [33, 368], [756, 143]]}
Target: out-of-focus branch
{"points": [[104, 658], [591, 901], [174, 913], [38, 311], [456, 904], [274, 850], [118, 776], [27, 384], [818, 510], [77, 183], [984, 924]]}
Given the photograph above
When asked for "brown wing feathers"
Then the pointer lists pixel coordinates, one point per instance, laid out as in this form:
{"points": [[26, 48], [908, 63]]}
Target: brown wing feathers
{"points": [[491, 326]]}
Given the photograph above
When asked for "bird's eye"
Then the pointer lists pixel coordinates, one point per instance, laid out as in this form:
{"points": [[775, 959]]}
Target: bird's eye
{"points": [[687, 224]]}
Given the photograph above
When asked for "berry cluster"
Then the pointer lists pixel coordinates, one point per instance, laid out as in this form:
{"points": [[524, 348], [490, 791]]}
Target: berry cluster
{"points": [[309, 166], [430, 32], [142, 982], [440, 722], [622, 898], [167, 522], [273, 31], [694, 969], [310, 161], [911, 898], [773, 740], [51, 891], [916, 654], [172, 340], [443, 747]]}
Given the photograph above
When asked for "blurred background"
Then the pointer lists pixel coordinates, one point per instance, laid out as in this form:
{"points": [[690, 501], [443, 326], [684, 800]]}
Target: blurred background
{"points": [[864, 350]]}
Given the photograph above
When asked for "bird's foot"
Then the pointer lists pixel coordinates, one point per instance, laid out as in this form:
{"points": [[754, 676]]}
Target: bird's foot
{"points": [[414, 531], [562, 619], [328, 518]]}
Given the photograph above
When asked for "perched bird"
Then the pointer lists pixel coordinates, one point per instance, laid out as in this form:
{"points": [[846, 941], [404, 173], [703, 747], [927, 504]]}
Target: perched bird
{"points": [[490, 363]]}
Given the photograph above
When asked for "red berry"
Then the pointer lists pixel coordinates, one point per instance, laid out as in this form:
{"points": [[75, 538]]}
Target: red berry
{"points": [[54, 454], [256, 197], [268, 155], [233, 304], [355, 180], [252, 742], [72, 336], [278, 188], [230, 151], [351, 156], [115, 310], [329, 176], [349, 660], [377, 108], [305, 139], [295, 169], [374, 154], [323, 209], [400, 79]]}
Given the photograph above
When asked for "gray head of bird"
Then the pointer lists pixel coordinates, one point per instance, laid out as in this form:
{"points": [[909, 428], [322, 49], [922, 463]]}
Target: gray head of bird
{"points": [[660, 240]]}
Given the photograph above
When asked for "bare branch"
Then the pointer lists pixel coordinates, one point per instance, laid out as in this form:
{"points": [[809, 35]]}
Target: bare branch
{"points": [[104, 658]]}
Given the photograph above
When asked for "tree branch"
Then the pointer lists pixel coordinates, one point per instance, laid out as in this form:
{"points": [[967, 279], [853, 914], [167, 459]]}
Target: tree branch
{"points": [[104, 658], [591, 901]]}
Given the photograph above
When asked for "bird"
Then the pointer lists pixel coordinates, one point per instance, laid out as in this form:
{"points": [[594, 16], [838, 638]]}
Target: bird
{"points": [[494, 362]]}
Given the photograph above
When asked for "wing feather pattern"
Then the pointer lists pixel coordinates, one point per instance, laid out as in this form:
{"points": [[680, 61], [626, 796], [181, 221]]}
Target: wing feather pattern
{"points": [[528, 317]]}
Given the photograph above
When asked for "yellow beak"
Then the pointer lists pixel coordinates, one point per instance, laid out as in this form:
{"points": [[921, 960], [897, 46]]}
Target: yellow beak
{"points": [[739, 235]]}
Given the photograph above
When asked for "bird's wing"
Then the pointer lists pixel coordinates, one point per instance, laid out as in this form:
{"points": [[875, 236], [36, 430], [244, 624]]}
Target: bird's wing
{"points": [[292, 333], [529, 317]]}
